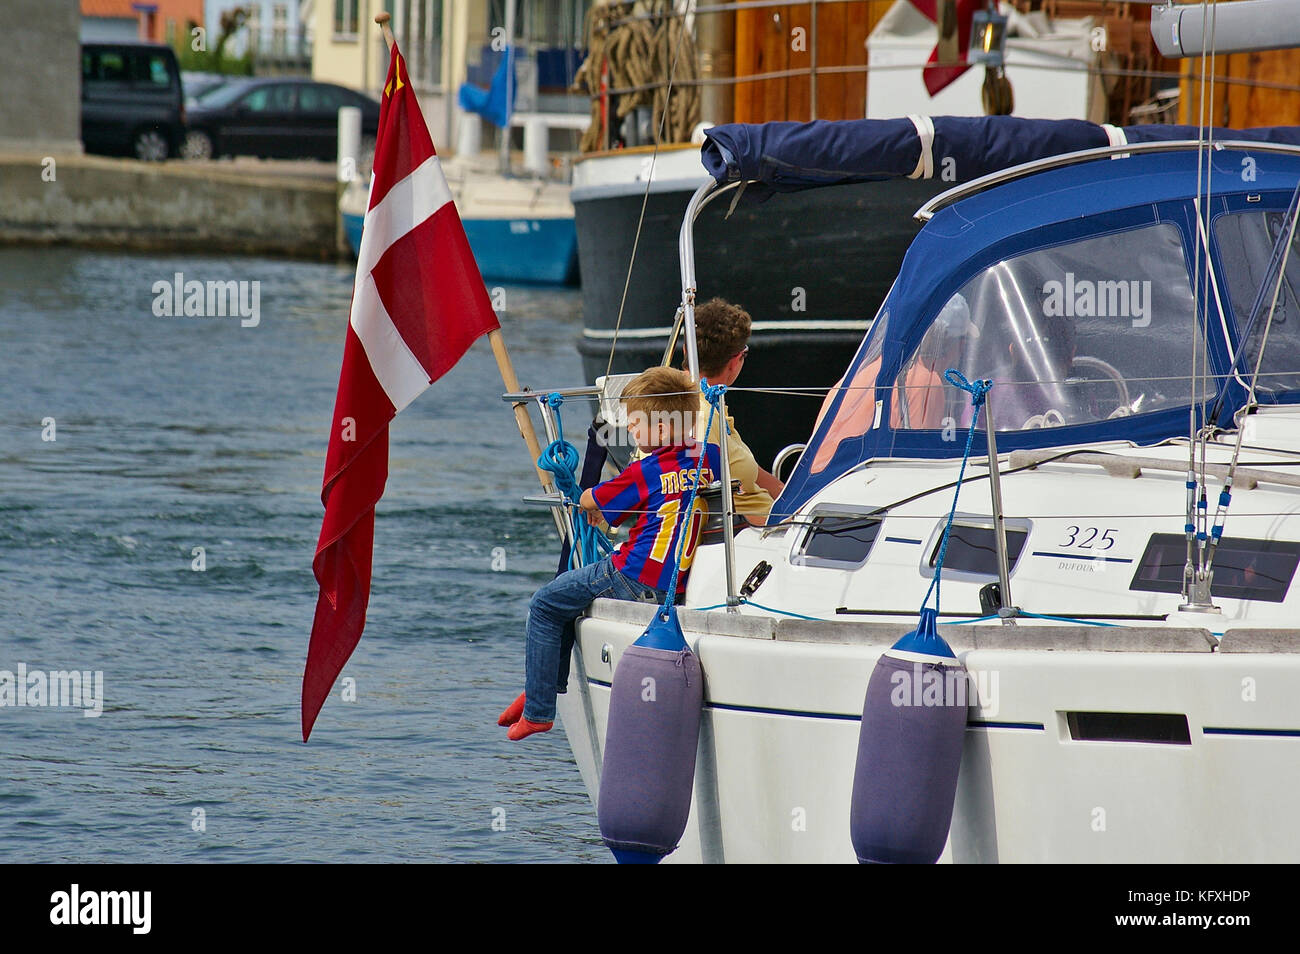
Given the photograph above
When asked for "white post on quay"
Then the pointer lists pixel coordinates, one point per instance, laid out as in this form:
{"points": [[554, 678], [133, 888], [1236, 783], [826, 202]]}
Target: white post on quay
{"points": [[349, 167], [349, 144]]}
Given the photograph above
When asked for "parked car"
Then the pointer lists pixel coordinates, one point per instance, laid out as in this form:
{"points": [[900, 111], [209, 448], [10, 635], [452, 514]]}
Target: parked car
{"points": [[131, 100], [197, 84], [275, 118]]}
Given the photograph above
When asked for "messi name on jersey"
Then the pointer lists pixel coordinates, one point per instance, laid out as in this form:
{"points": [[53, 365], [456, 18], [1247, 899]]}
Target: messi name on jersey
{"points": [[681, 481], [653, 490]]}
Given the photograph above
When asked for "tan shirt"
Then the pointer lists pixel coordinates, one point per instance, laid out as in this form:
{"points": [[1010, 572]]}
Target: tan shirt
{"points": [[752, 499]]}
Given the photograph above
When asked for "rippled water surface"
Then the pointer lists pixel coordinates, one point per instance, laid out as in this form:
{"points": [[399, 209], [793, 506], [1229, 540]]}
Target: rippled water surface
{"points": [[177, 433]]}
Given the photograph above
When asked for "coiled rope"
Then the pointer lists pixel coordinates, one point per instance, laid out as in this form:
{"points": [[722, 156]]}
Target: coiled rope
{"points": [[561, 460]]}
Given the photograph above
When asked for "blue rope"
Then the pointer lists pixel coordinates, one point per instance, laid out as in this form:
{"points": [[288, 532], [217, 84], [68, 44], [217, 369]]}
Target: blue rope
{"points": [[561, 459], [1059, 619], [1065, 619], [747, 602], [712, 393], [950, 622], [977, 390]]}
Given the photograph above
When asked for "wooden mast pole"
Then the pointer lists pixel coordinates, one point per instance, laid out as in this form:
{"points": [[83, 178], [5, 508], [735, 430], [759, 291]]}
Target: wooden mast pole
{"points": [[499, 352]]}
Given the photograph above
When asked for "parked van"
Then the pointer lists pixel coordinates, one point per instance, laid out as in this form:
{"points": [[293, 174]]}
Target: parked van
{"points": [[131, 100]]}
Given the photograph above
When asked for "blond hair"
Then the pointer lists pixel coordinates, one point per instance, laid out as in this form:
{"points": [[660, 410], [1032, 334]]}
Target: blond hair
{"points": [[664, 393]]}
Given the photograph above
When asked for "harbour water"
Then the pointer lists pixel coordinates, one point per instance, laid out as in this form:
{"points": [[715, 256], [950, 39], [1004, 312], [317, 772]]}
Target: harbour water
{"points": [[171, 434]]}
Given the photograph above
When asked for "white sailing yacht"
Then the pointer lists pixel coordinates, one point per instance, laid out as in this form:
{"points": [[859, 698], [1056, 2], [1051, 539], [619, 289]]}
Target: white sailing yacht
{"points": [[1119, 581]]}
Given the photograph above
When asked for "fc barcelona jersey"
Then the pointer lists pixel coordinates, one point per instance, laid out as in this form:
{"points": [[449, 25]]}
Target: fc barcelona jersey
{"points": [[654, 491]]}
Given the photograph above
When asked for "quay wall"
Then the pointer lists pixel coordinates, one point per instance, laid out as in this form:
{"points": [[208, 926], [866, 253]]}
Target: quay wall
{"points": [[168, 206]]}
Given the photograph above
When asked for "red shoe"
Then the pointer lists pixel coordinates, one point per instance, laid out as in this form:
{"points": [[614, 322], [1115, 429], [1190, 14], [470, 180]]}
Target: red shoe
{"points": [[523, 729], [513, 712]]}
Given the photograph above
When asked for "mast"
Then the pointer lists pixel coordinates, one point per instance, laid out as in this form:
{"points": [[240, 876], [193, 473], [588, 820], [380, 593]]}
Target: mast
{"points": [[510, 84]]}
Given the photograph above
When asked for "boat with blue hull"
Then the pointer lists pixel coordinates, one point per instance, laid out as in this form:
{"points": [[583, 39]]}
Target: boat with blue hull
{"points": [[1130, 657], [520, 229], [525, 250]]}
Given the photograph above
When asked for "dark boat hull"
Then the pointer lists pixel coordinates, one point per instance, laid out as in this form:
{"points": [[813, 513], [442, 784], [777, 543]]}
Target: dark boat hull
{"points": [[810, 267]]}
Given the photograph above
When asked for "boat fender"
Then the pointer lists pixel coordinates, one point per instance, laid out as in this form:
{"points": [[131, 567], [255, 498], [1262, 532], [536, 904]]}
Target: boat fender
{"points": [[909, 750], [650, 744], [654, 723]]}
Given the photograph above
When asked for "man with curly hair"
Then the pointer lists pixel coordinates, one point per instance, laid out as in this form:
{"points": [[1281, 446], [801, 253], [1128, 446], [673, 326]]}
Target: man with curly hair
{"points": [[722, 339]]}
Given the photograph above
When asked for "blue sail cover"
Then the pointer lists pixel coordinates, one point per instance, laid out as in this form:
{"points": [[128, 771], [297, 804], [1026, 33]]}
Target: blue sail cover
{"points": [[786, 157], [995, 271]]}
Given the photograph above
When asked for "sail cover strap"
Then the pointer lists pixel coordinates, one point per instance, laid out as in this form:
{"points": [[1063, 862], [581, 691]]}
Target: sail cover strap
{"points": [[925, 162]]}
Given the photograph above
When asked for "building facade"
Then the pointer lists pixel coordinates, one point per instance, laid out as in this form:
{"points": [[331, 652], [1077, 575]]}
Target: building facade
{"points": [[153, 21], [274, 30], [443, 41], [40, 46]]}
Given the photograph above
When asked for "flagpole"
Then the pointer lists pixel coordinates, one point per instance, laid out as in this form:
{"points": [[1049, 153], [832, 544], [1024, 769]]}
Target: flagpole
{"points": [[504, 365]]}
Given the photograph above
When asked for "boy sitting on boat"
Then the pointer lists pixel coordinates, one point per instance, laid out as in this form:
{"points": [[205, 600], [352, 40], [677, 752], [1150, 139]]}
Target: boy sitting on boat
{"points": [[662, 410]]}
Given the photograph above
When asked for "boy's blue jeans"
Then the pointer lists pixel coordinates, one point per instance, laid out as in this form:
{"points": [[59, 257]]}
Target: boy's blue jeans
{"points": [[556, 604]]}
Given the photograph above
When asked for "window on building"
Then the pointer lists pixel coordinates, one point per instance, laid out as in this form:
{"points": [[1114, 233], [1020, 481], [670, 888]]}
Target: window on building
{"points": [[345, 17], [418, 24], [279, 29]]}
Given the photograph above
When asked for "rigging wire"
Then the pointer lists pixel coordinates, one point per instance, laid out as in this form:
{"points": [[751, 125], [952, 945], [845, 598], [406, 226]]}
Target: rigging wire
{"points": [[821, 390], [1225, 496], [1195, 501], [682, 32], [1203, 225]]}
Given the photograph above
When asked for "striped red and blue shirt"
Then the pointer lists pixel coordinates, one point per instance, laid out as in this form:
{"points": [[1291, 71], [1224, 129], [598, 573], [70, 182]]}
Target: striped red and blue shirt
{"points": [[654, 490]]}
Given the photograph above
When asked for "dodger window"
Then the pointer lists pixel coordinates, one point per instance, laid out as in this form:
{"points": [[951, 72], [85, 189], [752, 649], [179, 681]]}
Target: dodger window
{"points": [[1080, 332]]}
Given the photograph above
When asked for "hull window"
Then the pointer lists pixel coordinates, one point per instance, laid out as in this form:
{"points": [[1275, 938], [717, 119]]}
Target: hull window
{"points": [[974, 549], [840, 540], [1243, 569], [1157, 727]]}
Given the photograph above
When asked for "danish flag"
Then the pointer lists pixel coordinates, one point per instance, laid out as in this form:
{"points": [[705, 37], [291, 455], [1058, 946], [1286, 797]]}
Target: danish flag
{"points": [[417, 305]]}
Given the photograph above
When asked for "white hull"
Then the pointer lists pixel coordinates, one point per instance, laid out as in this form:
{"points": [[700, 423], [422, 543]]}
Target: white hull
{"points": [[775, 785], [784, 696]]}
